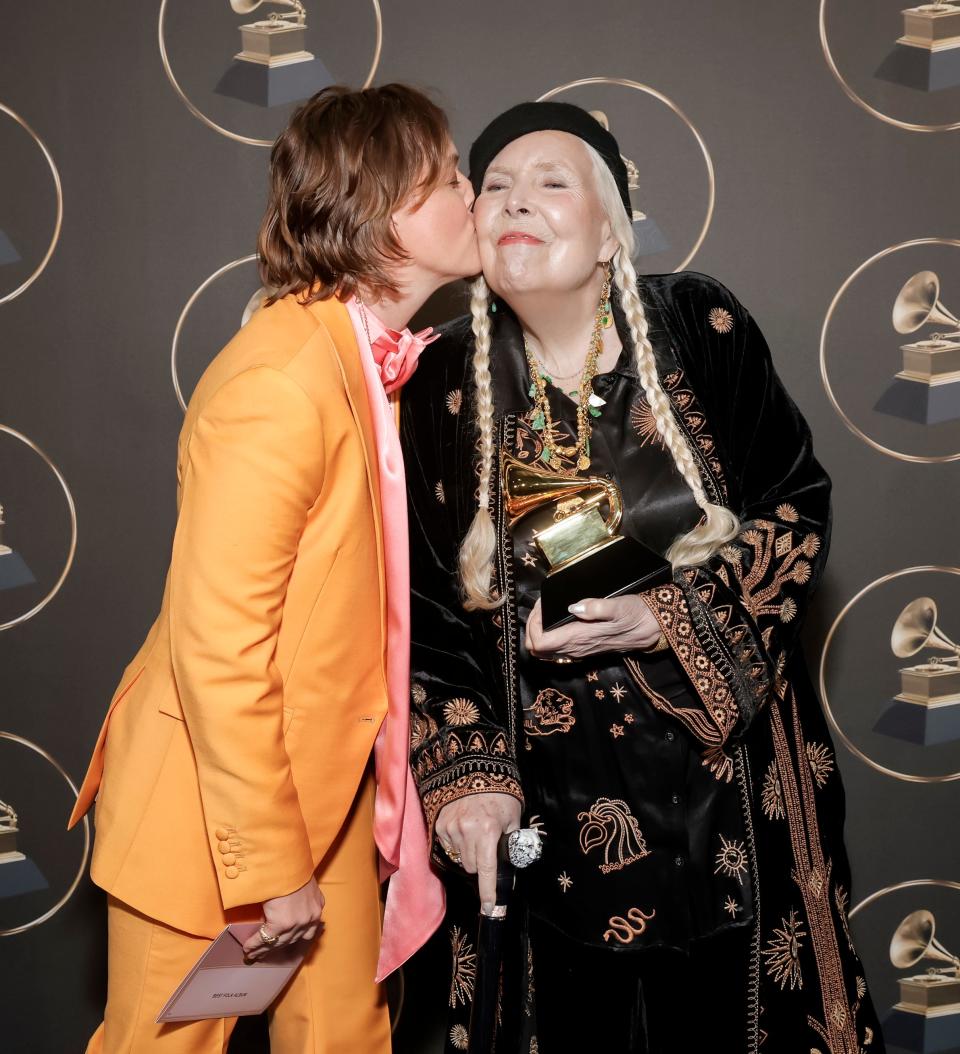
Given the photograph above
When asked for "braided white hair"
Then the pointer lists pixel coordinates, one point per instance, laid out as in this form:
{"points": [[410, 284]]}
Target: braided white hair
{"points": [[717, 527]]}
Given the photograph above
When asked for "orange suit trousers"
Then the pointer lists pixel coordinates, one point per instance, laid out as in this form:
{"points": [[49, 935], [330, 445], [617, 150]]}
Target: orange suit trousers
{"points": [[332, 1005]]}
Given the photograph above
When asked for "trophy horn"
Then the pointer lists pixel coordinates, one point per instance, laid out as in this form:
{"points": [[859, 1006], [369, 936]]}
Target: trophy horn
{"points": [[527, 488], [245, 7], [913, 940], [916, 628], [919, 302]]}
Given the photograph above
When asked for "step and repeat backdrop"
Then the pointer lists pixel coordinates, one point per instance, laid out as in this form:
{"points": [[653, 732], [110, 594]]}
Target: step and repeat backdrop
{"points": [[805, 155]]}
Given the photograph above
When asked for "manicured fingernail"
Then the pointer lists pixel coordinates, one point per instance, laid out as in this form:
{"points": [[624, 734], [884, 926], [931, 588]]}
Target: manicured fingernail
{"points": [[577, 609]]}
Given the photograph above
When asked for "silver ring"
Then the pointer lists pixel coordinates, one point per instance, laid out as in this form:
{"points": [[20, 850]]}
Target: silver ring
{"points": [[524, 847]]}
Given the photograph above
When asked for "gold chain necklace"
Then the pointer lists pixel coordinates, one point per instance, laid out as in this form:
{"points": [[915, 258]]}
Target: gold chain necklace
{"points": [[543, 418]]}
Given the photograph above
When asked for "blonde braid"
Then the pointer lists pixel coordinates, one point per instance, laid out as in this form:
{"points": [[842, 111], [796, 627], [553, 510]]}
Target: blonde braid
{"points": [[719, 525], [477, 549]]}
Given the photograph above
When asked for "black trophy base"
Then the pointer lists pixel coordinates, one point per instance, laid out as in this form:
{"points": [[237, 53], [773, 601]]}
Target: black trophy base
{"points": [[18, 877], [269, 86], [926, 404], [918, 68], [903, 1030], [925, 725], [623, 566], [8, 253], [14, 572]]}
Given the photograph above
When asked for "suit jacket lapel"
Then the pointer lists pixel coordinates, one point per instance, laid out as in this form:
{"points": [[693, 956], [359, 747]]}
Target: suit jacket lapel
{"points": [[333, 316]]}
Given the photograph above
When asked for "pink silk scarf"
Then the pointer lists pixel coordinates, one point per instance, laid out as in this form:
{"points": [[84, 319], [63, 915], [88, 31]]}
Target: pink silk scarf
{"points": [[415, 899]]}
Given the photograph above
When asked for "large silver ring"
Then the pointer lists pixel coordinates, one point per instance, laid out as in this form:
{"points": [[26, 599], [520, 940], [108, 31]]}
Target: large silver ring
{"points": [[524, 846]]}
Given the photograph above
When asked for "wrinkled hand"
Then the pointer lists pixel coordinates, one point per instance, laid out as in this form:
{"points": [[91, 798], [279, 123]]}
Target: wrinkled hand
{"points": [[473, 826], [295, 917], [620, 624]]}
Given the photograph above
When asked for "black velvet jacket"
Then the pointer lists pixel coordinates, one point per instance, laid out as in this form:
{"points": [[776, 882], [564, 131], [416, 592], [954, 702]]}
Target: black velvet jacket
{"points": [[732, 625]]}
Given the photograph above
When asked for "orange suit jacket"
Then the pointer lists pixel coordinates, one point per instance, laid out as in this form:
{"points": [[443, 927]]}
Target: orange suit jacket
{"points": [[240, 732]]}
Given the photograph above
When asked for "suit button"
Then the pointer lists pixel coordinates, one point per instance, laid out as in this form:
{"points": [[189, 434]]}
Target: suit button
{"points": [[224, 847], [229, 858], [222, 834], [231, 872]]}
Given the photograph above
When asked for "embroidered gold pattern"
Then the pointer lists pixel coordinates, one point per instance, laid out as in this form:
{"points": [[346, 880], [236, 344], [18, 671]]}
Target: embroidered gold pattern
{"points": [[459, 1037], [610, 823], [618, 692], [623, 929], [771, 797], [600, 694], [731, 859], [783, 952], [821, 762], [565, 881], [472, 783], [418, 694], [550, 712], [454, 401], [464, 972], [731, 907], [616, 731], [440, 493], [460, 712], [720, 319]]}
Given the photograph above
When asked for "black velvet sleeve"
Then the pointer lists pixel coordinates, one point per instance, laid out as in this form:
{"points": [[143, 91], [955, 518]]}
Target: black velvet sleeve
{"points": [[459, 742], [733, 622]]}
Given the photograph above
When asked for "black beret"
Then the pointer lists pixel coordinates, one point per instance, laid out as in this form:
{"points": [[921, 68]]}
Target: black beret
{"points": [[530, 117]]}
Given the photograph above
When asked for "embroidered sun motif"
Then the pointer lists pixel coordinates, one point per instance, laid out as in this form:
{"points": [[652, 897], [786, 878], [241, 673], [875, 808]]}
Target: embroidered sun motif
{"points": [[418, 694], [459, 1037], [464, 968], [788, 609], [783, 953], [810, 546], [787, 513], [721, 319], [454, 401], [644, 423], [731, 859], [821, 762], [861, 987], [439, 493], [771, 797], [460, 712], [801, 572]]}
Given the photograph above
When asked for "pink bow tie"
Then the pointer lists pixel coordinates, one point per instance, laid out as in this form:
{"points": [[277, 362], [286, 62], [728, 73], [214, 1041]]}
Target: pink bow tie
{"points": [[396, 357]]}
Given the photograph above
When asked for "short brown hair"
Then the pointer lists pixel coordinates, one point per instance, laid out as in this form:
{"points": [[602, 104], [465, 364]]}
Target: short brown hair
{"points": [[347, 161]]}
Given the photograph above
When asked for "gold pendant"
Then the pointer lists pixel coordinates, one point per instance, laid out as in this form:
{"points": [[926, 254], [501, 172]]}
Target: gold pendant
{"points": [[584, 463], [555, 462]]}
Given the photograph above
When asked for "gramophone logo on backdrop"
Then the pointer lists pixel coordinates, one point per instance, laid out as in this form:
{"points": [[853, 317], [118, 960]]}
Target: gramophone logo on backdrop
{"points": [[273, 66], [18, 874], [927, 708], [927, 55], [927, 388], [13, 569], [927, 1015]]}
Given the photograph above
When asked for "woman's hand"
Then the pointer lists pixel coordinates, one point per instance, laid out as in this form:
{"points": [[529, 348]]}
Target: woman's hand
{"points": [[620, 624], [472, 826], [295, 917]]}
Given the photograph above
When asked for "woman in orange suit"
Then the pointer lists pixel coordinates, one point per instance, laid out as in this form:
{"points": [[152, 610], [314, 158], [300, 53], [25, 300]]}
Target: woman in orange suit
{"points": [[253, 763]]}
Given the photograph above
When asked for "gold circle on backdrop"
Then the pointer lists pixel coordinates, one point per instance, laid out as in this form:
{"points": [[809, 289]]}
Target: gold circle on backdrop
{"points": [[58, 190], [73, 529], [86, 839], [854, 97], [916, 458], [944, 883], [907, 777], [201, 116], [670, 104], [197, 293]]}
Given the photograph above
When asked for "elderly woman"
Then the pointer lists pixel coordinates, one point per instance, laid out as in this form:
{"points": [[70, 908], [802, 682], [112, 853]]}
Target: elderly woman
{"points": [[693, 888]]}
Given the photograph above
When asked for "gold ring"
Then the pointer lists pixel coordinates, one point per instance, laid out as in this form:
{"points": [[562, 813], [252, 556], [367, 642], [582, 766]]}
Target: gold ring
{"points": [[268, 938], [452, 853]]}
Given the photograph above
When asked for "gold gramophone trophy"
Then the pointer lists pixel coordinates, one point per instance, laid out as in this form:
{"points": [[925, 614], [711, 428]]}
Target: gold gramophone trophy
{"points": [[927, 1016], [273, 65], [927, 389], [587, 557], [649, 237], [926, 55], [927, 708], [18, 873], [13, 571]]}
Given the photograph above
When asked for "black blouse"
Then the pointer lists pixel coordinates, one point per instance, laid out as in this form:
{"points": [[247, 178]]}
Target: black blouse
{"points": [[643, 845]]}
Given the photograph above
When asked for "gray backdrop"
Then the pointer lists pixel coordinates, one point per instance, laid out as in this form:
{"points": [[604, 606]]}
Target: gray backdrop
{"points": [[808, 186]]}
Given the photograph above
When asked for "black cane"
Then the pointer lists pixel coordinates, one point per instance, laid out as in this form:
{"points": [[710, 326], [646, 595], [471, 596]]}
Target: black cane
{"points": [[483, 1014]]}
